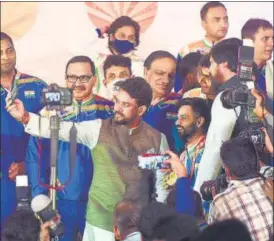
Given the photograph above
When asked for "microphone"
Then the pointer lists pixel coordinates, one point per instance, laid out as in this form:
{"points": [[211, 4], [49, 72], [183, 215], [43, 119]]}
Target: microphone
{"points": [[41, 205]]}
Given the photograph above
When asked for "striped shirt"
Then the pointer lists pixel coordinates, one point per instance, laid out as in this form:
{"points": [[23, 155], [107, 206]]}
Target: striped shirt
{"points": [[246, 201]]}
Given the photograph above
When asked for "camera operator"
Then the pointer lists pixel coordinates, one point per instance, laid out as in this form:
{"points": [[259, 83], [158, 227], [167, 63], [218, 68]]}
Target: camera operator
{"points": [[22, 226], [225, 122], [244, 198], [260, 31]]}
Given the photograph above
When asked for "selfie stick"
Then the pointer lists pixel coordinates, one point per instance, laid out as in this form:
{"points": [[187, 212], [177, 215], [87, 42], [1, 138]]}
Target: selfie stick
{"points": [[54, 137]]}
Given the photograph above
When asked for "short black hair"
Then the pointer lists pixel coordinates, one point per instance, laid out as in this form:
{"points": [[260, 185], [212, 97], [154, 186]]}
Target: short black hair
{"points": [[205, 61], [227, 51], [209, 5], [7, 37], [117, 60], [200, 107], [21, 226], [252, 26], [240, 157], [81, 59], [125, 21], [159, 221], [159, 54], [226, 230], [138, 89], [126, 216], [189, 63]]}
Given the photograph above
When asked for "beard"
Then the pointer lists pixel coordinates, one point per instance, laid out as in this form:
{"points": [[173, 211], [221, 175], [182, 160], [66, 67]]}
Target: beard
{"points": [[186, 133], [120, 119]]}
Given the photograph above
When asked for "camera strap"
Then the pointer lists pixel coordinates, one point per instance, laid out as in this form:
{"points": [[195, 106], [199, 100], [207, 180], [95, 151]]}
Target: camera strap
{"points": [[73, 148], [73, 143]]}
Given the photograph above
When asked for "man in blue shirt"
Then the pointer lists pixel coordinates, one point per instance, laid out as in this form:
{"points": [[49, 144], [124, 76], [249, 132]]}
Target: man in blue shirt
{"points": [[13, 138], [160, 67], [76, 181], [261, 33]]}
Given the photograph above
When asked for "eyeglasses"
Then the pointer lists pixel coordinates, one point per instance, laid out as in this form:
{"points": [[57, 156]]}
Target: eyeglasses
{"points": [[82, 78]]}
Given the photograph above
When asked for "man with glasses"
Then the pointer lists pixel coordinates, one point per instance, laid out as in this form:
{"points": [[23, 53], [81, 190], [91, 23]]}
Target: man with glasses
{"points": [[160, 67], [72, 200], [116, 144]]}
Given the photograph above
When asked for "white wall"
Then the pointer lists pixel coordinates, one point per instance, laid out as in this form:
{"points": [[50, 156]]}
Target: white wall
{"points": [[61, 27]]}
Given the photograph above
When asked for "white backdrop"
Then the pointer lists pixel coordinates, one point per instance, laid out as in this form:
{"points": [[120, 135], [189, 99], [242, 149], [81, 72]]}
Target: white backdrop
{"points": [[61, 27]]}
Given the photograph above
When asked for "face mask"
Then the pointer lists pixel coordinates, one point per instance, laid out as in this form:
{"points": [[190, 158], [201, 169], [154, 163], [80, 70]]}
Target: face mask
{"points": [[122, 46], [111, 87]]}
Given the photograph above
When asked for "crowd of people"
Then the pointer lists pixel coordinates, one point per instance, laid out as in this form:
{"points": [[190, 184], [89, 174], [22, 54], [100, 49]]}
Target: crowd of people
{"points": [[215, 181]]}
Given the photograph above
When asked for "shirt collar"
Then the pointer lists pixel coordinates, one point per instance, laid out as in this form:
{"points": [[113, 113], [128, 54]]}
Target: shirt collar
{"points": [[82, 103], [208, 43], [246, 182], [14, 81]]}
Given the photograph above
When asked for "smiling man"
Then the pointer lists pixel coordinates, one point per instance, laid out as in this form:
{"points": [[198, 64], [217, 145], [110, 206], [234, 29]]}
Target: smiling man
{"points": [[13, 139], [160, 67], [72, 200], [115, 144]]}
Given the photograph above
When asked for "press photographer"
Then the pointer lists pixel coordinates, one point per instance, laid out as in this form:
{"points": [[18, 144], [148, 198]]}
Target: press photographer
{"points": [[233, 74], [24, 225], [244, 197]]}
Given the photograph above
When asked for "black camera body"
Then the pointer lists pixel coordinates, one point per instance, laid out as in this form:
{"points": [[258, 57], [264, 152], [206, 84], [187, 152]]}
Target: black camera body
{"points": [[241, 95], [238, 96], [41, 205], [55, 97], [220, 184]]}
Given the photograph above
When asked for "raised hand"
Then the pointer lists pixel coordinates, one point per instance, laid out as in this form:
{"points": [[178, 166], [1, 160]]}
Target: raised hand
{"points": [[176, 164], [15, 108]]}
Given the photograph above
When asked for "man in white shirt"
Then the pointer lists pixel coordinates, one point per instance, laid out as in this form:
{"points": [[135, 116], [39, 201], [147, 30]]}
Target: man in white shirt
{"points": [[224, 123]]}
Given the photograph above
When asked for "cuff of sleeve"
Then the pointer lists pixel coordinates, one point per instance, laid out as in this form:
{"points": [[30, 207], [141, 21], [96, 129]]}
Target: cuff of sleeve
{"points": [[33, 121]]}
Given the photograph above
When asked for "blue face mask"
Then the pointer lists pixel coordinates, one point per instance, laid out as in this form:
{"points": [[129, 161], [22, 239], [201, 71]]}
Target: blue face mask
{"points": [[122, 46]]}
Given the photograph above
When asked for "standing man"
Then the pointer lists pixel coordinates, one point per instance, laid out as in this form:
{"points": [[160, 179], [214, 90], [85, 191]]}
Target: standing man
{"points": [[116, 68], [72, 200], [261, 33], [215, 23], [13, 138], [160, 67], [115, 144]]}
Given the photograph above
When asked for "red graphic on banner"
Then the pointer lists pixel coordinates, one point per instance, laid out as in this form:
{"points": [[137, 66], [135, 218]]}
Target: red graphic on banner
{"points": [[104, 13]]}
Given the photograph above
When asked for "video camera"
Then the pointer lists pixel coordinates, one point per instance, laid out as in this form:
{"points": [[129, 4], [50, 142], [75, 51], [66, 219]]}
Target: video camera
{"points": [[241, 96], [55, 97]]}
